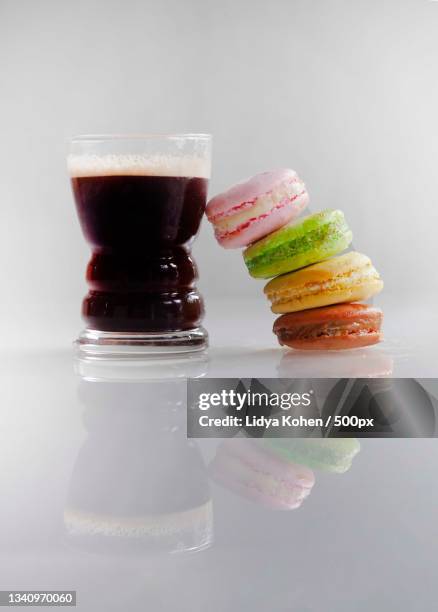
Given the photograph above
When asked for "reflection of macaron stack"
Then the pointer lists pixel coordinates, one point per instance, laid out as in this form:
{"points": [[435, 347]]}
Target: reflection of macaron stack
{"points": [[303, 254], [326, 454], [254, 473]]}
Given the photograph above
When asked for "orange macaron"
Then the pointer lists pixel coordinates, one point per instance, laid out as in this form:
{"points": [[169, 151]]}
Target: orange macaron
{"points": [[342, 326]]}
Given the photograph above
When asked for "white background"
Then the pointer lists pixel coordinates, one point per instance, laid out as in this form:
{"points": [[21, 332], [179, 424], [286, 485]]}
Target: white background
{"points": [[343, 91]]}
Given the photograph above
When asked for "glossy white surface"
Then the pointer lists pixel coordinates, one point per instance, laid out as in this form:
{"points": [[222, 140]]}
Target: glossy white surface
{"points": [[242, 343], [363, 540]]}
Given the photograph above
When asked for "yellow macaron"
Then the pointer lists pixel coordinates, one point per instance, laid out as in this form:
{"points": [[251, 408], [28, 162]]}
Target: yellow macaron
{"points": [[346, 278]]}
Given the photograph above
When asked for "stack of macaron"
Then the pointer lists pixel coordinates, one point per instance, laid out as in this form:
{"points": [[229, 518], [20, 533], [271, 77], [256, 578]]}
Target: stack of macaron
{"points": [[316, 289]]}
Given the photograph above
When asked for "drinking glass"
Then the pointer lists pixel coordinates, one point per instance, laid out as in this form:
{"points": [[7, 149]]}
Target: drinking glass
{"points": [[140, 200]]}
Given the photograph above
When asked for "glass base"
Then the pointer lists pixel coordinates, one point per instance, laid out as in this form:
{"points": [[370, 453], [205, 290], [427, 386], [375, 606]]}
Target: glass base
{"points": [[94, 343]]}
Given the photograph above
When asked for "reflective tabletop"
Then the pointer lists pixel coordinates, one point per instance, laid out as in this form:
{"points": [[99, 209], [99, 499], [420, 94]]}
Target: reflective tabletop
{"points": [[104, 494]]}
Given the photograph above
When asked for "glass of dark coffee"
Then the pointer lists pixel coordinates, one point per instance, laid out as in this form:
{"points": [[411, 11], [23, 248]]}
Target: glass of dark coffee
{"points": [[140, 201]]}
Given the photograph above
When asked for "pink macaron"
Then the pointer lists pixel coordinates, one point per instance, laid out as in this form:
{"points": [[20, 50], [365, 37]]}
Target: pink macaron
{"points": [[252, 472], [254, 208]]}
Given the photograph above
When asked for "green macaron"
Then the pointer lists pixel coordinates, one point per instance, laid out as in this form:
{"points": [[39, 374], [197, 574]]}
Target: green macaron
{"points": [[327, 454], [300, 243]]}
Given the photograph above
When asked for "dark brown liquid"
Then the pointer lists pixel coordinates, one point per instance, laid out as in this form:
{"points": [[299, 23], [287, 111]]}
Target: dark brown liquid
{"points": [[141, 274]]}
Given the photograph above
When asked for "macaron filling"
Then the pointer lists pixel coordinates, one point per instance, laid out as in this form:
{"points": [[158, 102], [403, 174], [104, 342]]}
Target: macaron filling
{"points": [[231, 223], [343, 326], [299, 244], [339, 282], [288, 187], [330, 329]]}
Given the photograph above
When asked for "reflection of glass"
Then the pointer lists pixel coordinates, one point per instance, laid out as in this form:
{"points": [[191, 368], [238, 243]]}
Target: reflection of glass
{"points": [[140, 201], [138, 483]]}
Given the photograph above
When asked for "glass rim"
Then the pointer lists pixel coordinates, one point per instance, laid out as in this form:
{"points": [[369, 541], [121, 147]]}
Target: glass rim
{"points": [[139, 136]]}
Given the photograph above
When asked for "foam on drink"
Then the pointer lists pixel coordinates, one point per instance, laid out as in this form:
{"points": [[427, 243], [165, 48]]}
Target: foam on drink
{"points": [[137, 165]]}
